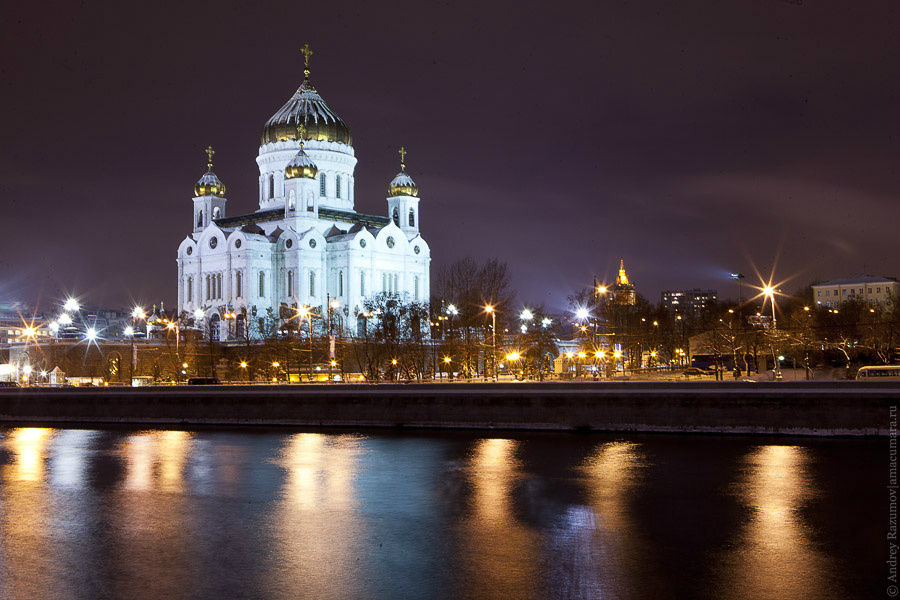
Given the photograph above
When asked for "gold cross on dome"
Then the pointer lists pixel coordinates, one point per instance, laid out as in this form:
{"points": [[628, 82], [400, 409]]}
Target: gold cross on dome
{"points": [[306, 54], [209, 153], [403, 154]]}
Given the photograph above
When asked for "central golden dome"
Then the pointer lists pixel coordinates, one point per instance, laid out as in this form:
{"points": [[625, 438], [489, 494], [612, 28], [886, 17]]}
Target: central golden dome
{"points": [[307, 108]]}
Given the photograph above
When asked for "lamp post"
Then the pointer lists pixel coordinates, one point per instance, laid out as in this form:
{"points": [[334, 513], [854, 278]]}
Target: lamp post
{"points": [[305, 312], [137, 313], [490, 310], [332, 306], [769, 292]]}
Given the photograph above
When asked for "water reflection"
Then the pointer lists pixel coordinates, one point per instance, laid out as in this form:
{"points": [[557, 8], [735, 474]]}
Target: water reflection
{"points": [[156, 460], [595, 547], [26, 515], [29, 445], [317, 528], [173, 514], [774, 556], [499, 551]]}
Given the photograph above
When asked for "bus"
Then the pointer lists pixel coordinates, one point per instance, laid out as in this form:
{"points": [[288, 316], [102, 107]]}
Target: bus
{"points": [[879, 373]]}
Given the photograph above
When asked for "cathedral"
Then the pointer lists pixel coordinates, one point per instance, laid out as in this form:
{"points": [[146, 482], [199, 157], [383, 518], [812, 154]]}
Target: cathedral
{"points": [[305, 246]]}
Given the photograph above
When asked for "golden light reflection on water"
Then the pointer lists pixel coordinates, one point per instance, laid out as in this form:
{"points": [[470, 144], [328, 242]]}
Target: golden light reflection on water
{"points": [[774, 556], [602, 540], [317, 526], [499, 551], [29, 444], [156, 460], [26, 514]]}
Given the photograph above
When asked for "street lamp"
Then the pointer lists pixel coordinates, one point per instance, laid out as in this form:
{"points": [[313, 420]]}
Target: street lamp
{"points": [[71, 305], [490, 310], [305, 312], [769, 292]]}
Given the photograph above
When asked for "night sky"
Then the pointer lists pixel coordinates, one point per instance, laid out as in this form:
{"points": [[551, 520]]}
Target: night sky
{"points": [[690, 138]]}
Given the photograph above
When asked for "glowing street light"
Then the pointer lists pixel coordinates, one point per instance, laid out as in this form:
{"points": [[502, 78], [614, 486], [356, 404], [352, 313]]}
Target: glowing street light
{"points": [[129, 331], [526, 315], [581, 313], [489, 309], [91, 334], [513, 356], [451, 308], [138, 313], [546, 321], [601, 289], [198, 313], [71, 305], [65, 319]]}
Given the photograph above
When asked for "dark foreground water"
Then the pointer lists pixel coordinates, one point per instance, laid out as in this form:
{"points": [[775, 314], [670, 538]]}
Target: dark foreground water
{"points": [[272, 514]]}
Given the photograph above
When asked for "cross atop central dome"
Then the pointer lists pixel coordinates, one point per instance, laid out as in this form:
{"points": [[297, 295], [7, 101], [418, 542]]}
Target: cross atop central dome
{"points": [[307, 108]]}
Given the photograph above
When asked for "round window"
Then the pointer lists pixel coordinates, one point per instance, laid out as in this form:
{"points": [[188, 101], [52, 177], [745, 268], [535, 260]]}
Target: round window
{"points": [[289, 243], [416, 249], [390, 242], [362, 243], [213, 242], [312, 243], [190, 251], [237, 243]]}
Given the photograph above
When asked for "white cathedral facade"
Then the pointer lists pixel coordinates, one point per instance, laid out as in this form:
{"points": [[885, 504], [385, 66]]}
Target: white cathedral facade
{"points": [[305, 245]]}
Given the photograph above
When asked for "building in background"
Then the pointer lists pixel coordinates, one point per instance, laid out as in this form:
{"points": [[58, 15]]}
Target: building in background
{"points": [[870, 290], [688, 302], [623, 290]]}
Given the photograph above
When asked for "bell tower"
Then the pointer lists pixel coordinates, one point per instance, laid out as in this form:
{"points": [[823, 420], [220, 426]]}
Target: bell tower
{"points": [[403, 199], [209, 196]]}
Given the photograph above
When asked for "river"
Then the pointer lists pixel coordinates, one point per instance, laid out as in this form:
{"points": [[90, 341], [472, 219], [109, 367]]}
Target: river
{"points": [[122, 513]]}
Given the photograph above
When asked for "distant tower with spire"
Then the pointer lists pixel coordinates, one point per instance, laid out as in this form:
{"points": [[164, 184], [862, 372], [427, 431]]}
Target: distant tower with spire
{"points": [[623, 290]]}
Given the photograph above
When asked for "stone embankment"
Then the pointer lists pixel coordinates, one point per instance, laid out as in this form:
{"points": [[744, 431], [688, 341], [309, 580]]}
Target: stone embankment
{"points": [[808, 408]]}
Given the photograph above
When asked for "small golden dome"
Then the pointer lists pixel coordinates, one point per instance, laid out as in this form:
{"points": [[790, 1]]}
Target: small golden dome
{"points": [[301, 165], [209, 184], [402, 184]]}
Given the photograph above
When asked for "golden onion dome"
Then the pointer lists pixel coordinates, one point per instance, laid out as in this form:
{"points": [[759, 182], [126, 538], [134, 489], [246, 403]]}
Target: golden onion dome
{"points": [[301, 165], [402, 184], [307, 108], [209, 184]]}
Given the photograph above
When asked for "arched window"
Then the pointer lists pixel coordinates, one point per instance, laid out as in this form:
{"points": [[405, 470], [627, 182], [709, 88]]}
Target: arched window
{"points": [[340, 283], [416, 292], [337, 186], [190, 290], [292, 202], [322, 188], [271, 186], [396, 217], [216, 212], [200, 218], [238, 284], [310, 204], [262, 284], [290, 283], [412, 218], [312, 284], [214, 327]]}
